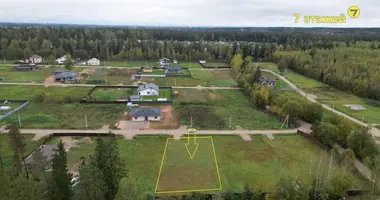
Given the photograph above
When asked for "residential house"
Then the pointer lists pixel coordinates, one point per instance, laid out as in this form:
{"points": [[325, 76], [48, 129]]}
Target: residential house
{"points": [[62, 60], [63, 76], [135, 98], [93, 61], [267, 81], [34, 59], [173, 70], [145, 114], [148, 69], [164, 62], [48, 152], [27, 67], [148, 90]]}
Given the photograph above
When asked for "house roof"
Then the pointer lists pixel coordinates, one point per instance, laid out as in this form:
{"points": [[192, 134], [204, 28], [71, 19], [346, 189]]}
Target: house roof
{"points": [[93, 59], [47, 151], [148, 86], [142, 112], [264, 79], [35, 56], [65, 74], [60, 71], [176, 68], [134, 97]]}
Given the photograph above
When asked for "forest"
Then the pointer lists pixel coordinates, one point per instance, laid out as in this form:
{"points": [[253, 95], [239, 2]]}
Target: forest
{"points": [[352, 68]]}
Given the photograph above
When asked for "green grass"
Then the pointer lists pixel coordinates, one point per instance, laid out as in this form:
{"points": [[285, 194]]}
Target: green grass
{"points": [[216, 64], [54, 113], [10, 75], [259, 163], [7, 152], [338, 99], [180, 172], [201, 74], [229, 104], [112, 94], [130, 63], [189, 64], [164, 93]]}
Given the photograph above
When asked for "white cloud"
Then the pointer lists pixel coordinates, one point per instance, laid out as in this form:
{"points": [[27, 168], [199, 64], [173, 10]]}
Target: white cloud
{"points": [[185, 12]]}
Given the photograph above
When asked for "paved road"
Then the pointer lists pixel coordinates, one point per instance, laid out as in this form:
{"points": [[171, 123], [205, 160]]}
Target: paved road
{"points": [[374, 131], [90, 85]]}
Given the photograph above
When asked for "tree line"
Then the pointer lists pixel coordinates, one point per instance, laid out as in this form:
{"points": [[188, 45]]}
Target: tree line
{"points": [[348, 68]]}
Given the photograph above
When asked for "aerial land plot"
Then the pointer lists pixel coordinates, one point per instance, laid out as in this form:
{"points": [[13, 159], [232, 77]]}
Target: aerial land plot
{"points": [[216, 64], [127, 63], [11, 75], [179, 172], [210, 109], [112, 94], [7, 152], [56, 107], [258, 163]]}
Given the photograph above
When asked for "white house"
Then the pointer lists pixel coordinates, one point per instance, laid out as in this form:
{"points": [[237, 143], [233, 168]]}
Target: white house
{"points": [[148, 90], [145, 114], [34, 59], [61, 60], [93, 61], [202, 61]]}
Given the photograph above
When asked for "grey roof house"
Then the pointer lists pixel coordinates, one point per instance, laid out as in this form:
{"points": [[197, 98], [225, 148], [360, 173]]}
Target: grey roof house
{"points": [[173, 70], [145, 114], [267, 81], [48, 152], [65, 76], [27, 67], [134, 98], [148, 90]]}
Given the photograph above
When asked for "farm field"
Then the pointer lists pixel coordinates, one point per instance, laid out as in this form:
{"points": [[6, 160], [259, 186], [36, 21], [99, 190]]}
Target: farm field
{"points": [[210, 109], [259, 163], [55, 108], [216, 64], [10, 75], [130, 63], [7, 153]]}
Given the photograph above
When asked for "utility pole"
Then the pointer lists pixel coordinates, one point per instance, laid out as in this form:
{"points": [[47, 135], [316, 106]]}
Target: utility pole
{"points": [[105, 79], [19, 120], [191, 121], [230, 122], [85, 121]]}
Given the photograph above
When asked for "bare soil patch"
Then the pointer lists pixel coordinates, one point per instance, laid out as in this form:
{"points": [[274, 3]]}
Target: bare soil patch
{"points": [[49, 80], [222, 74], [123, 72], [169, 120]]}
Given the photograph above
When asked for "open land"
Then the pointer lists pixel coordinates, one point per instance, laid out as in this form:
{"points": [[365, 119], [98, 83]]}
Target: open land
{"points": [[259, 163], [332, 97]]}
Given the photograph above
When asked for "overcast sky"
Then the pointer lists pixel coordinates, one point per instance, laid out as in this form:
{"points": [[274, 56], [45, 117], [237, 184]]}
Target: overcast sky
{"points": [[186, 12]]}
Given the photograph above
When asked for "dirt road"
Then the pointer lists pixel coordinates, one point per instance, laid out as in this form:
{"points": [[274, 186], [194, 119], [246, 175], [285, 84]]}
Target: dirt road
{"points": [[374, 131]]}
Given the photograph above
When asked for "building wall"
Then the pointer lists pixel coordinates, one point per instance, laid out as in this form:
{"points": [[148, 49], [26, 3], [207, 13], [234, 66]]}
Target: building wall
{"points": [[140, 119], [152, 92], [93, 62]]}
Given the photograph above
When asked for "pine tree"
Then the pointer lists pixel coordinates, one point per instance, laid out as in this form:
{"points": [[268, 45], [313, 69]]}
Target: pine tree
{"points": [[59, 187], [18, 147]]}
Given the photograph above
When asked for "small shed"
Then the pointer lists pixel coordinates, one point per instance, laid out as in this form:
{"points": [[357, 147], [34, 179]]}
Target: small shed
{"points": [[2, 108]]}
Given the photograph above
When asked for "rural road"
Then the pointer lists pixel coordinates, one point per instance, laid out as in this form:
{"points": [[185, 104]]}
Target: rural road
{"points": [[89, 85], [374, 131], [176, 133]]}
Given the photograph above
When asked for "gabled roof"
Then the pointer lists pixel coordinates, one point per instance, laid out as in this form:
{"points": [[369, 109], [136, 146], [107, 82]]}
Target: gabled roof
{"points": [[148, 86], [142, 112], [268, 80], [93, 59], [176, 68], [47, 151], [65, 74], [35, 56]]}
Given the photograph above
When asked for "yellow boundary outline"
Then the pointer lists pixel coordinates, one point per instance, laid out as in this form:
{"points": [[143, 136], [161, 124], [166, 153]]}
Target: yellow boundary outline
{"points": [[183, 191]]}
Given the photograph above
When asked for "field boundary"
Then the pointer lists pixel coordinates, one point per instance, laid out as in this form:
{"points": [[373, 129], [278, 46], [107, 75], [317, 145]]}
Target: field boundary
{"points": [[194, 190], [218, 67], [24, 103], [85, 99]]}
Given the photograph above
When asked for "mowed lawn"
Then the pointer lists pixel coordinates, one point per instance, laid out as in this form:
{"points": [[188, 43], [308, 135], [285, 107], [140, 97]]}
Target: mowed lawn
{"points": [[225, 105], [130, 63], [220, 78], [54, 113], [6, 151], [258, 163], [10, 75]]}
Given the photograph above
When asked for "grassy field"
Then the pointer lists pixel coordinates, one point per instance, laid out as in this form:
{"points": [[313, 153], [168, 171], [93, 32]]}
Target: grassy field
{"points": [[221, 78], [10, 75], [259, 163], [7, 153], [221, 106], [331, 96], [112, 94], [216, 64], [47, 108], [130, 63]]}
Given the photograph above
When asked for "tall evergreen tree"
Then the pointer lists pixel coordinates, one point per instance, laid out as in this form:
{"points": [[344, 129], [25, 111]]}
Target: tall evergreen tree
{"points": [[18, 147], [60, 187]]}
